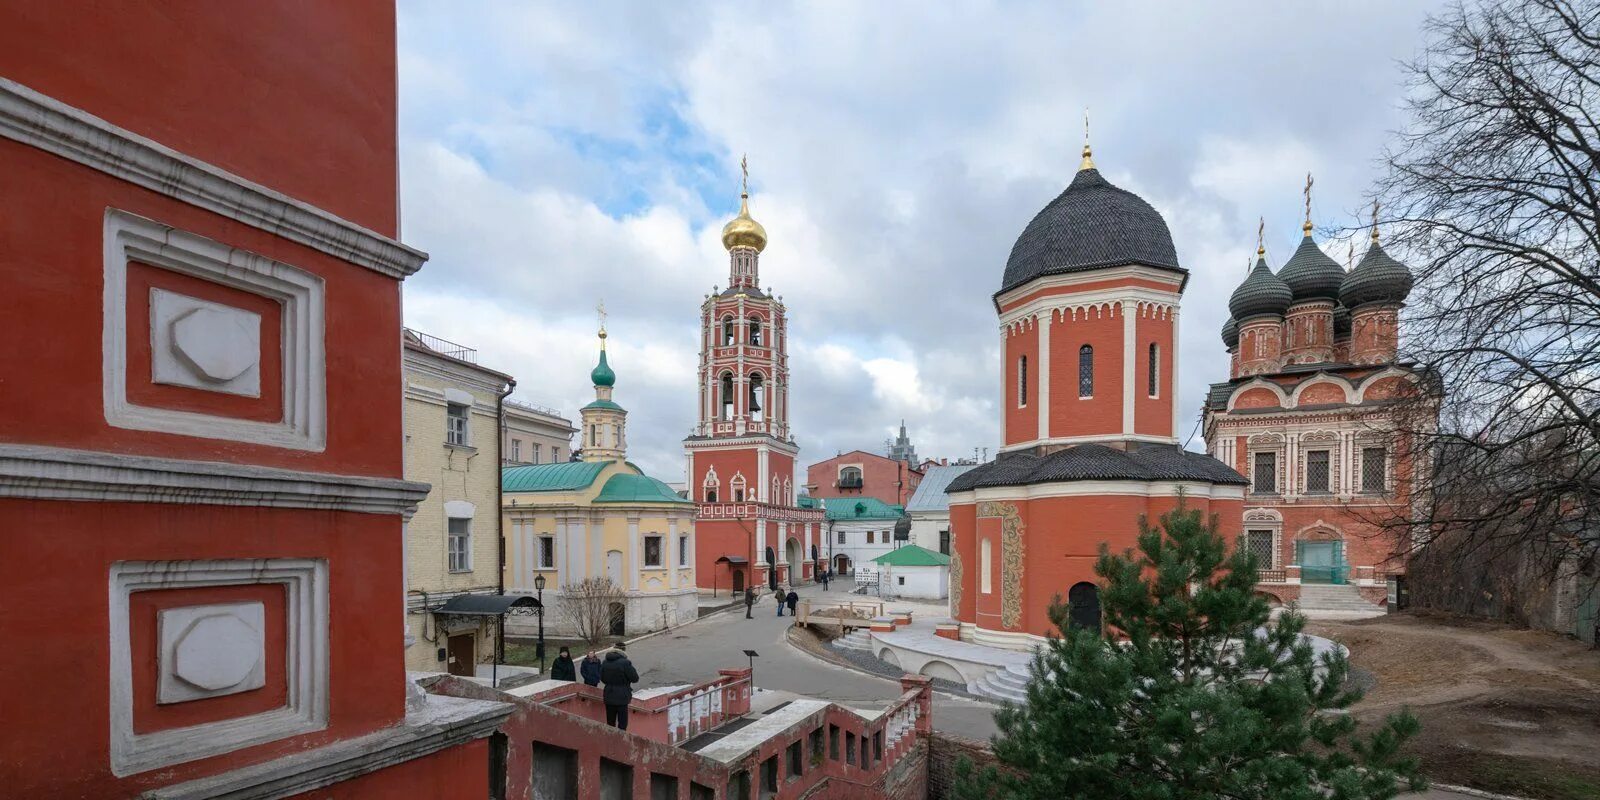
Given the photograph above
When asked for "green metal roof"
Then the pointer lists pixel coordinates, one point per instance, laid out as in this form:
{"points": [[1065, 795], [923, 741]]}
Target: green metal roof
{"points": [[913, 556], [846, 508], [807, 501], [606, 404], [625, 488], [563, 477]]}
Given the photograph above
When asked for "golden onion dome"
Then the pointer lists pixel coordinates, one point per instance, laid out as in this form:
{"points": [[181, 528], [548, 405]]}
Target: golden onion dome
{"points": [[743, 230]]}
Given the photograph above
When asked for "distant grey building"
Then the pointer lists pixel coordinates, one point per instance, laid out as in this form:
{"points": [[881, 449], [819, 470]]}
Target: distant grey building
{"points": [[929, 508], [901, 449]]}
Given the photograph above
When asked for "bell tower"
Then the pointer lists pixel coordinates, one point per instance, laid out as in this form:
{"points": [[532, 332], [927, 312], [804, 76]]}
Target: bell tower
{"points": [[741, 454]]}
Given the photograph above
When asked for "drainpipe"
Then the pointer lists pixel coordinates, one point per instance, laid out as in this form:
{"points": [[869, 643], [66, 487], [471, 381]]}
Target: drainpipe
{"points": [[499, 522]]}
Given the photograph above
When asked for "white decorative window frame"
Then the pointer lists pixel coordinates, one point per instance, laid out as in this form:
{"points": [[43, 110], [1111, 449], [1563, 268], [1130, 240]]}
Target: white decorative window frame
{"points": [[1266, 519], [304, 424], [1366, 440], [1328, 441], [1267, 443], [305, 581]]}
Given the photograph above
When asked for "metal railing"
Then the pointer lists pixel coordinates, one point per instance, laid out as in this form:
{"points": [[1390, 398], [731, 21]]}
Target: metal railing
{"points": [[444, 347], [699, 709], [534, 407]]}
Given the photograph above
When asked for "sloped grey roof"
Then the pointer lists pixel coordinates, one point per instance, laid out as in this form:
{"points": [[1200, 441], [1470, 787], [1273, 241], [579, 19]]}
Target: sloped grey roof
{"points": [[1311, 274], [930, 494], [1091, 462], [1091, 224]]}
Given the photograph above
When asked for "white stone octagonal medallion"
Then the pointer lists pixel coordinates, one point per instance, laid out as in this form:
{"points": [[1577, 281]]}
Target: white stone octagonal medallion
{"points": [[204, 345], [211, 650]]}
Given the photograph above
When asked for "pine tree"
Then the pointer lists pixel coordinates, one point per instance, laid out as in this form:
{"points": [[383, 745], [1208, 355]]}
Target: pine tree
{"points": [[1190, 691]]}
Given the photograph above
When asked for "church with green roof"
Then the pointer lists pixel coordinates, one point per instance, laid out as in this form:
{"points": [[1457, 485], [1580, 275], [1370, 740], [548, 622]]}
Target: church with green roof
{"points": [[599, 529]]}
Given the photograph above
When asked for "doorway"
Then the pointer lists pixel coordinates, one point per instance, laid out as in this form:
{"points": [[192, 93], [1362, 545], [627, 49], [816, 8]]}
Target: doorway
{"points": [[841, 565], [614, 567], [738, 581], [1083, 601], [792, 554], [1320, 562], [619, 619], [462, 649]]}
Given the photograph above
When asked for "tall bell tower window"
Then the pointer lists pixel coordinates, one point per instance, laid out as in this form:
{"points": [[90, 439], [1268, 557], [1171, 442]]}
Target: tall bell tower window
{"points": [[755, 331], [1022, 381], [756, 385], [727, 396], [727, 332], [1154, 376], [1086, 371]]}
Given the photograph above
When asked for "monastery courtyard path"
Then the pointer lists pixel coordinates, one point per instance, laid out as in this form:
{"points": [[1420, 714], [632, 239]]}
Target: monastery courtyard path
{"points": [[694, 652]]}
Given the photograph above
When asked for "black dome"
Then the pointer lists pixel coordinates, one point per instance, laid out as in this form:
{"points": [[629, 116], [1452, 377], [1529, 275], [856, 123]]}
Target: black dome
{"points": [[1341, 321], [1091, 224], [1230, 333], [1377, 279], [1262, 293], [1311, 274], [1097, 462]]}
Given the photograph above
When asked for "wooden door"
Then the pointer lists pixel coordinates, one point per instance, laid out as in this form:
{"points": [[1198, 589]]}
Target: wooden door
{"points": [[463, 652]]}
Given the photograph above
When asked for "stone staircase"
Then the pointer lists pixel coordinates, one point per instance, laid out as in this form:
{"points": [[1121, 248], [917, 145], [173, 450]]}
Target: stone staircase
{"points": [[1330, 601], [1007, 683], [856, 639]]}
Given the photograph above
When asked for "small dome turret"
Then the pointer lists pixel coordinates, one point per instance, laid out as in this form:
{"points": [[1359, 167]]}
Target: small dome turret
{"points": [[1230, 333], [1377, 279], [1261, 294], [1310, 273], [602, 374]]}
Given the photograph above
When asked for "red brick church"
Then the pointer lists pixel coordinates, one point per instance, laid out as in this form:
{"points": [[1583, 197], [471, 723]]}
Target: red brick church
{"points": [[1309, 414], [1088, 309]]}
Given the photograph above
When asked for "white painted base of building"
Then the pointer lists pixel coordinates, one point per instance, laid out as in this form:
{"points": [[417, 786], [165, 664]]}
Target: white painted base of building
{"points": [[644, 613]]}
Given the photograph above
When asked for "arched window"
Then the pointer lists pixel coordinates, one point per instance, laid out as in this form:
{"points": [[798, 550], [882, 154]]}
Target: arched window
{"points": [[756, 385], [1022, 381], [850, 478], [727, 396], [737, 485], [1086, 371], [727, 331], [1155, 369], [755, 330], [774, 497], [711, 485], [985, 566]]}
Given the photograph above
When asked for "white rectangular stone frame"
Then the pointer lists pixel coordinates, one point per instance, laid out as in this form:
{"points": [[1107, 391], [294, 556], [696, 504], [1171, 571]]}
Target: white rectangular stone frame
{"points": [[301, 293], [305, 710]]}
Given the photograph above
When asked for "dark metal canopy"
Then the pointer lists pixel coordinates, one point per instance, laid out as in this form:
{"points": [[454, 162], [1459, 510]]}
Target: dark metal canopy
{"points": [[485, 605], [733, 560]]}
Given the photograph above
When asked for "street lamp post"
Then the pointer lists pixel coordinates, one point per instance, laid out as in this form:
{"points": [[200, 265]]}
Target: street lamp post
{"points": [[538, 585]]}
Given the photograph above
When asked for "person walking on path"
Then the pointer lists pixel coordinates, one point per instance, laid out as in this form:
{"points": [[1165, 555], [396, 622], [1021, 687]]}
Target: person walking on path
{"points": [[824, 580], [749, 602], [618, 674], [590, 668], [780, 596], [792, 600], [562, 669]]}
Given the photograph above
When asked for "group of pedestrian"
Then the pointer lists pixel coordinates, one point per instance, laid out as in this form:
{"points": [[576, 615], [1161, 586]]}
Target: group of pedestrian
{"points": [[616, 672]]}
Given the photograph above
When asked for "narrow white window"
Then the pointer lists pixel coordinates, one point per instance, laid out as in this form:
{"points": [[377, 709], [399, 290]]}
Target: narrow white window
{"points": [[460, 544], [516, 449], [547, 552], [683, 551], [455, 431], [985, 563]]}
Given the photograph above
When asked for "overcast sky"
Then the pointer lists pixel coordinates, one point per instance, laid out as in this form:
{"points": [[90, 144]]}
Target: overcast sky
{"points": [[554, 155]]}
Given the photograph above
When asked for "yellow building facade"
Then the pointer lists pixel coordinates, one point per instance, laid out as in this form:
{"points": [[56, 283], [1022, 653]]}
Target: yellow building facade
{"points": [[600, 517]]}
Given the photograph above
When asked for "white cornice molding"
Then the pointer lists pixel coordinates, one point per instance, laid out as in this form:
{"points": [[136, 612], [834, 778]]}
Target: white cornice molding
{"points": [[51, 473], [41, 121]]}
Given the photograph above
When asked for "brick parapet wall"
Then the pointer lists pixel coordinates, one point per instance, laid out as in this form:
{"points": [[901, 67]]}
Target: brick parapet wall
{"points": [[945, 751]]}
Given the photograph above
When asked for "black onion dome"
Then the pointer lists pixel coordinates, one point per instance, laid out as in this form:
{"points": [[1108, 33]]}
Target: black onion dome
{"points": [[1262, 293], [1097, 462], [1341, 321], [1230, 333], [1311, 274], [1377, 279], [1091, 224]]}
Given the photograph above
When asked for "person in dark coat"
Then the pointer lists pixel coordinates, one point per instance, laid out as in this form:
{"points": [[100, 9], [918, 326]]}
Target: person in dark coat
{"points": [[824, 580], [590, 669], [749, 602], [618, 674], [780, 596], [791, 601], [562, 669]]}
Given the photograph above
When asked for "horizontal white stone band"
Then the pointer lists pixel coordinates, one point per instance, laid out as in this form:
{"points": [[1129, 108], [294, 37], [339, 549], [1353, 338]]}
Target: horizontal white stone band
{"points": [[440, 723], [39, 120], [51, 473]]}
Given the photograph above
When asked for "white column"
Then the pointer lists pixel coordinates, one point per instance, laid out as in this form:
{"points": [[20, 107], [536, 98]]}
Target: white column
{"points": [[1291, 471], [634, 546], [805, 551], [597, 555], [405, 577], [1044, 374], [1005, 382], [669, 554], [1170, 378], [693, 561], [566, 573], [761, 542], [761, 476], [1130, 335]]}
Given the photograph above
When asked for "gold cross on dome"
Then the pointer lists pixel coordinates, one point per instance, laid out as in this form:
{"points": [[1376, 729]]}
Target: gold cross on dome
{"points": [[601, 311], [1375, 207], [744, 169], [1261, 237], [1309, 181]]}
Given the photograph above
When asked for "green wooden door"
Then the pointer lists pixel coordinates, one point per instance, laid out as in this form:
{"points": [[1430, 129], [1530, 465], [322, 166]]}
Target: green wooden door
{"points": [[1321, 562]]}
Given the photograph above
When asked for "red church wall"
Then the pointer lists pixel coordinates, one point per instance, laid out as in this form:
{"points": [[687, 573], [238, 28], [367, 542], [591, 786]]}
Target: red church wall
{"points": [[61, 612], [53, 257], [727, 463], [1153, 415], [1319, 393], [1100, 415], [963, 544], [1022, 421], [295, 96], [458, 773], [1256, 398]]}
